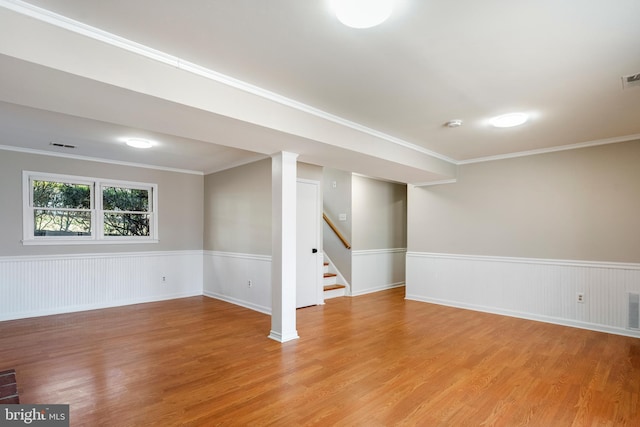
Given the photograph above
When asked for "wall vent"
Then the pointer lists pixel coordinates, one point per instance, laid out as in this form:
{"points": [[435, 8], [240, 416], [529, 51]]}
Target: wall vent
{"points": [[57, 144], [634, 311], [631, 81]]}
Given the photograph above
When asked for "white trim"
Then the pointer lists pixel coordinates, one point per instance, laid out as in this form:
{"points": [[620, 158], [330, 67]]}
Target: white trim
{"points": [[253, 257], [235, 301], [587, 144], [77, 27], [106, 255], [318, 237], [577, 146], [540, 261], [79, 308], [378, 289], [378, 251], [56, 241], [96, 159], [528, 316], [253, 159], [96, 186], [377, 179], [277, 336], [441, 182]]}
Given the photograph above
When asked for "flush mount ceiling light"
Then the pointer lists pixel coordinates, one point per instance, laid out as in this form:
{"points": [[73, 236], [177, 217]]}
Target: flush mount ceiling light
{"points": [[138, 143], [453, 123], [362, 13], [509, 120]]}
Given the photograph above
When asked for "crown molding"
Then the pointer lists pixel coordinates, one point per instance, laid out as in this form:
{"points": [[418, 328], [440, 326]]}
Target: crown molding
{"points": [[77, 27], [96, 159], [595, 143]]}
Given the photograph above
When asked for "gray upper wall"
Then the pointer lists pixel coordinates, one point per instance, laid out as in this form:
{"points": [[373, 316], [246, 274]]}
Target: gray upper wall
{"points": [[237, 207], [379, 214], [180, 202], [580, 204], [337, 198]]}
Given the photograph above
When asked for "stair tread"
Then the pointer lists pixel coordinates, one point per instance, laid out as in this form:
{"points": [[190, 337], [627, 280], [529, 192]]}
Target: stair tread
{"points": [[332, 287], [330, 274]]}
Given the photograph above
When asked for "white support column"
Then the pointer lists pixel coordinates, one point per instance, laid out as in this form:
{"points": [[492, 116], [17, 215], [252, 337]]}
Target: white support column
{"points": [[283, 256]]}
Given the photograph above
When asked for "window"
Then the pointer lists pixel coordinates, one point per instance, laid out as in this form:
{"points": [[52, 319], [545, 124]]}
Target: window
{"points": [[67, 209]]}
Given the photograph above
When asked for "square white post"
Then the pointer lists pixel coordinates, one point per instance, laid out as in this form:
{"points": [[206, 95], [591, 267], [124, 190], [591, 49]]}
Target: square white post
{"points": [[283, 254]]}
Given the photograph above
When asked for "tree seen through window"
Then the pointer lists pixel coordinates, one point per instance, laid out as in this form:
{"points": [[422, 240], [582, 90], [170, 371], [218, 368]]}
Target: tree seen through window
{"points": [[126, 211], [62, 209]]}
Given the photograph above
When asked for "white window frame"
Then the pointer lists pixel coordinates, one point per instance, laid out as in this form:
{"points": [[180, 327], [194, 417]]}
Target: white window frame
{"points": [[97, 213]]}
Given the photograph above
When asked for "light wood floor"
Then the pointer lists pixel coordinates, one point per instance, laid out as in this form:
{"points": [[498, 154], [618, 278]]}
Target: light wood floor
{"points": [[373, 360]]}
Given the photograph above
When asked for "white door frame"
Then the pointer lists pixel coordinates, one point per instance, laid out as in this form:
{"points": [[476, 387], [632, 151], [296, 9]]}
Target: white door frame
{"points": [[320, 253]]}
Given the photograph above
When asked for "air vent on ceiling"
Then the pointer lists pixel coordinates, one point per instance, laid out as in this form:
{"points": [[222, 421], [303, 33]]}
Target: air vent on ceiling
{"points": [[631, 81], [57, 144]]}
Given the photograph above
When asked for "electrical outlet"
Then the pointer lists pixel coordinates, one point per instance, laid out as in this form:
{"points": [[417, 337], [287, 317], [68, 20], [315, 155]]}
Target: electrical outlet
{"points": [[250, 283], [580, 297]]}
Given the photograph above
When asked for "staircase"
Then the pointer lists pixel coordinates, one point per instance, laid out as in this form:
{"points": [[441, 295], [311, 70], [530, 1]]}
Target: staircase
{"points": [[332, 289]]}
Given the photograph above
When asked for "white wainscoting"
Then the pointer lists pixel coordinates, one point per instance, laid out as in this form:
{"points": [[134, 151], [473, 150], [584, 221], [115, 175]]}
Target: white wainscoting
{"points": [[33, 286], [377, 270], [537, 289], [227, 275]]}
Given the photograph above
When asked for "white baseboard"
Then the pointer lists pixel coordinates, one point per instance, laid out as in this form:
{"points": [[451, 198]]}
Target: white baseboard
{"points": [[379, 288], [79, 308], [276, 336], [241, 303], [528, 316]]}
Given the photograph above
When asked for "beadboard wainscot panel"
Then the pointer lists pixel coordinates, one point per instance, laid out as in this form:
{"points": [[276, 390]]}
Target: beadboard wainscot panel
{"points": [[32, 286], [227, 276], [375, 270], [536, 289]]}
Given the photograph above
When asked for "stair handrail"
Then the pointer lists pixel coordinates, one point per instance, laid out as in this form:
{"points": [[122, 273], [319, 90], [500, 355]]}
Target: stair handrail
{"points": [[335, 230]]}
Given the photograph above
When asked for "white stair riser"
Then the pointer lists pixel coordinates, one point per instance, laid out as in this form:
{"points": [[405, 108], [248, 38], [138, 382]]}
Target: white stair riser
{"points": [[330, 268], [334, 293], [329, 281]]}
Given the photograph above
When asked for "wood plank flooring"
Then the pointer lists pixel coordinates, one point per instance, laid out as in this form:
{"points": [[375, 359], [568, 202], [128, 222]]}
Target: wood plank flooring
{"points": [[372, 360]]}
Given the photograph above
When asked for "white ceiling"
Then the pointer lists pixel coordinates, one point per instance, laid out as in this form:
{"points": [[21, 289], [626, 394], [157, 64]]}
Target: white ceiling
{"points": [[433, 61]]}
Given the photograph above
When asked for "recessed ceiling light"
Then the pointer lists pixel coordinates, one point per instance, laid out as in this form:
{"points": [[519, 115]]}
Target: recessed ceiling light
{"points": [[362, 13], [453, 123], [138, 143], [509, 120]]}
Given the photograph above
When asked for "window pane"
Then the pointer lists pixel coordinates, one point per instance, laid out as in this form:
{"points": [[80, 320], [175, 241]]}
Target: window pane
{"points": [[126, 224], [49, 194], [61, 223], [125, 199]]}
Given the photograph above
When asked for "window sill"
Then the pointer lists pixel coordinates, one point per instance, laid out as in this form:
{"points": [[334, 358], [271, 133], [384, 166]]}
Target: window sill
{"points": [[38, 242]]}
